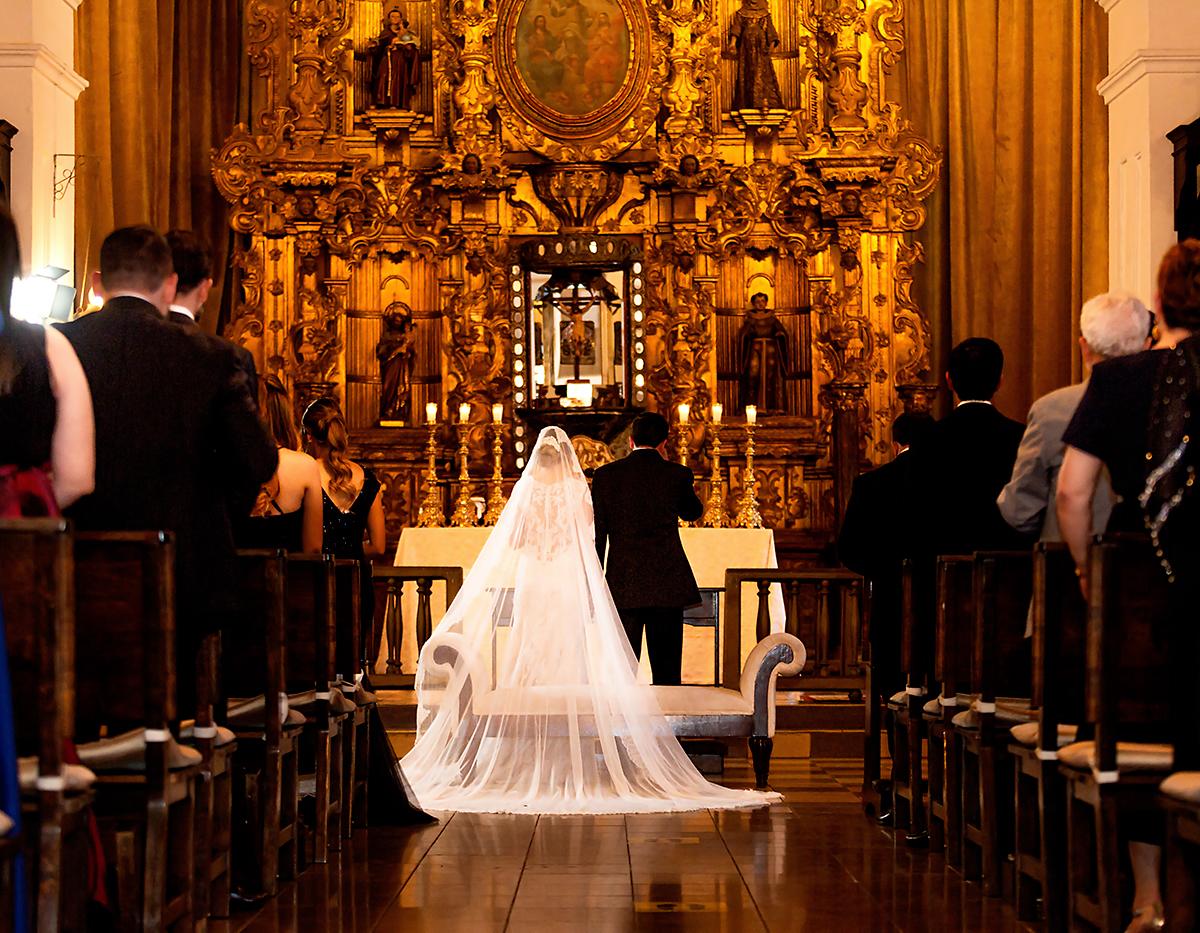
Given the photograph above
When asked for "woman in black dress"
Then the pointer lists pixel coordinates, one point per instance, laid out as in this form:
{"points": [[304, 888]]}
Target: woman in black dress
{"points": [[47, 432], [354, 529], [289, 512], [1136, 411]]}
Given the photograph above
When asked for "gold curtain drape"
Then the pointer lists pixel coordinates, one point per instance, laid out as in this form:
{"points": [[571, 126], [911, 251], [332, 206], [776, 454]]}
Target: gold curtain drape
{"points": [[165, 86], [1017, 236]]}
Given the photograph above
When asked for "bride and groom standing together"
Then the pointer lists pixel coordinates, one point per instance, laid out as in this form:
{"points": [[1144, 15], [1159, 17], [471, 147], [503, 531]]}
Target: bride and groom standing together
{"points": [[528, 694]]}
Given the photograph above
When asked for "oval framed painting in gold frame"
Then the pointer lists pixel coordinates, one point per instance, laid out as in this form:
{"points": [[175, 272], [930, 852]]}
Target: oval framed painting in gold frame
{"points": [[575, 69]]}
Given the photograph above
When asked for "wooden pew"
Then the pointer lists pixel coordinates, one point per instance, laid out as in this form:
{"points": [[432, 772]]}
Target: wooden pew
{"points": [[999, 672], [907, 718], [954, 643], [1059, 667], [37, 595], [253, 669], [349, 654], [125, 680], [311, 639], [1126, 701]]}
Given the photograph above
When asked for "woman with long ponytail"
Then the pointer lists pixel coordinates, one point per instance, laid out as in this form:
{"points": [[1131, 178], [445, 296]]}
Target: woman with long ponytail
{"points": [[354, 528]]}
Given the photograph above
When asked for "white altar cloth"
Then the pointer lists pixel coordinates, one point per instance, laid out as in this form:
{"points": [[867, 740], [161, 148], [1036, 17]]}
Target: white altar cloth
{"points": [[710, 551]]}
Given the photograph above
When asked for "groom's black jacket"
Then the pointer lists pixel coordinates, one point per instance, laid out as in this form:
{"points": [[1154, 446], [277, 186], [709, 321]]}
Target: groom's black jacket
{"points": [[638, 502]]}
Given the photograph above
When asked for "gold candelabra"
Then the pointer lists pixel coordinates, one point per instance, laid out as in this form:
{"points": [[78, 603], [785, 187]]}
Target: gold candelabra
{"points": [[496, 499], [464, 515], [748, 515], [714, 509], [431, 515]]}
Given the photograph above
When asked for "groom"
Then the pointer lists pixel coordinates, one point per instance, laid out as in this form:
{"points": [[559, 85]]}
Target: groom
{"points": [[638, 502]]}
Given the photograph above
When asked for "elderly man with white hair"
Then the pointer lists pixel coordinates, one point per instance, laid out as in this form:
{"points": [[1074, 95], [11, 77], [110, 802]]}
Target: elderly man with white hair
{"points": [[1113, 324]]}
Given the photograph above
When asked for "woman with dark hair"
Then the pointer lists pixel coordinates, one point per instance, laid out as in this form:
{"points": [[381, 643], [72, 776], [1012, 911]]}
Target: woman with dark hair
{"points": [[48, 452], [354, 529], [1136, 419], [288, 512]]}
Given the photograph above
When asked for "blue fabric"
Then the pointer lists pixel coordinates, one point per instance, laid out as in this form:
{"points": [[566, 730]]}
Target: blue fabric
{"points": [[10, 789]]}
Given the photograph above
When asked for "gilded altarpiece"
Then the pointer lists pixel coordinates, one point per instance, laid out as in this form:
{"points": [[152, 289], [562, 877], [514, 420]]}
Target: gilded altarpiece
{"points": [[669, 159]]}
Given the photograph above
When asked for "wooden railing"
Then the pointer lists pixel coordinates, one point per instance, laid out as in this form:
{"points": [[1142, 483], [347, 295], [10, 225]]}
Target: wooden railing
{"points": [[393, 580], [823, 608]]}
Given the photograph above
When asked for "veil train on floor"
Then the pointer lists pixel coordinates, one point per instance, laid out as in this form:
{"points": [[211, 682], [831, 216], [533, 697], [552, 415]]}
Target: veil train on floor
{"points": [[528, 699]]}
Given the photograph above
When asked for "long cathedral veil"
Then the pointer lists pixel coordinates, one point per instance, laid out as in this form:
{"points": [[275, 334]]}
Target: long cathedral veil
{"points": [[528, 699]]}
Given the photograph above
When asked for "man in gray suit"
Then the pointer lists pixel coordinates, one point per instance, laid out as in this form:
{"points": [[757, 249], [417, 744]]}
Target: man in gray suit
{"points": [[1112, 324]]}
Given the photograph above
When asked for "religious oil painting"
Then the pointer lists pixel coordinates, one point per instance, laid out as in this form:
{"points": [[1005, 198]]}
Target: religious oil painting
{"points": [[573, 55], [573, 68]]}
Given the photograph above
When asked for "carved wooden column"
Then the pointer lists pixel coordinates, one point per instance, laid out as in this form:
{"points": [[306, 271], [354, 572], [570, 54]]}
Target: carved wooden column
{"points": [[918, 398]]}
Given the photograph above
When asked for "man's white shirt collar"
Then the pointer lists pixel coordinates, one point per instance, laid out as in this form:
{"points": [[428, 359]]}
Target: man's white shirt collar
{"points": [[180, 309], [973, 401]]}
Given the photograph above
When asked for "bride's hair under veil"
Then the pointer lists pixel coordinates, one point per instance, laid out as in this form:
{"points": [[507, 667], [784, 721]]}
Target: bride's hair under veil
{"points": [[527, 690]]}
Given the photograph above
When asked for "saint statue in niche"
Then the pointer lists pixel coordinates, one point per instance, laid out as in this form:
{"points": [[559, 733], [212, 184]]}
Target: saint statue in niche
{"points": [[396, 68], [752, 38], [396, 355], [763, 343]]}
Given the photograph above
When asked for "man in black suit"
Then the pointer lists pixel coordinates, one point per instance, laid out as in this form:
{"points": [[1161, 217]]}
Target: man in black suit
{"points": [[968, 460], [875, 538], [193, 266], [638, 503], [177, 433]]}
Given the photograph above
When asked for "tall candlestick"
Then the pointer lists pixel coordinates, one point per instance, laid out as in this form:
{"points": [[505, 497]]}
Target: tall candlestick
{"points": [[748, 515], [685, 411], [496, 499], [464, 515], [714, 508], [431, 515]]}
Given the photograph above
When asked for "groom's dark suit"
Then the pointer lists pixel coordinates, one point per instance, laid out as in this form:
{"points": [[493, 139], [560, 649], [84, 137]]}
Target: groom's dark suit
{"points": [[638, 502]]}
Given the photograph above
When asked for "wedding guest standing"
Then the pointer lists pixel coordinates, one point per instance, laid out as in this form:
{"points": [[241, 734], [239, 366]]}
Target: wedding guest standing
{"points": [[177, 433], [47, 433], [1122, 425], [289, 511], [354, 528]]}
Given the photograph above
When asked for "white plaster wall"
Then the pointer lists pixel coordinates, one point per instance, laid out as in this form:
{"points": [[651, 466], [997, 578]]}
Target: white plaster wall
{"points": [[1153, 86], [38, 90]]}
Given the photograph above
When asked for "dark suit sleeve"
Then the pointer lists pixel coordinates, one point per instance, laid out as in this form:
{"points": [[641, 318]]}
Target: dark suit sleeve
{"points": [[248, 456], [853, 542], [246, 362], [690, 508], [601, 519]]}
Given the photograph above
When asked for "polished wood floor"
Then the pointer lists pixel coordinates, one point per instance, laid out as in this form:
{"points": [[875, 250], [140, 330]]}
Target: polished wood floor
{"points": [[813, 862]]}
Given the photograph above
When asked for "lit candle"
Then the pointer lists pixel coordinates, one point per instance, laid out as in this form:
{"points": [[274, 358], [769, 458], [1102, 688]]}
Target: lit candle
{"points": [[431, 412], [685, 411], [498, 412], [464, 412], [717, 410], [751, 414]]}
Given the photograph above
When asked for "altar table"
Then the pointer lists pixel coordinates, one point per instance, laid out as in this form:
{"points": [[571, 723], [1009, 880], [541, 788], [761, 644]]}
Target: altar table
{"points": [[710, 551]]}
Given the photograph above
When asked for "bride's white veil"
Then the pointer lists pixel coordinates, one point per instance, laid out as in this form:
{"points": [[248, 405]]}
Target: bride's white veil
{"points": [[527, 691]]}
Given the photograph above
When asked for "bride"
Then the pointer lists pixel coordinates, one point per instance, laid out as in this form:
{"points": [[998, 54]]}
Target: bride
{"points": [[527, 691]]}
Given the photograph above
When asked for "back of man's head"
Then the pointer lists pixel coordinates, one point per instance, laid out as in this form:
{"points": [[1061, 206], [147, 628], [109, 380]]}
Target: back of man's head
{"points": [[912, 428], [1115, 324], [649, 429], [135, 259], [974, 368], [191, 259]]}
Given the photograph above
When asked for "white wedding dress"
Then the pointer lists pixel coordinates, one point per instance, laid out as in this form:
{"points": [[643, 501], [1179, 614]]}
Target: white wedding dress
{"points": [[527, 691]]}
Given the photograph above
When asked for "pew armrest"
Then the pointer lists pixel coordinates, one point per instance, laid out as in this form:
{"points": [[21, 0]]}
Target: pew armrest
{"points": [[779, 654]]}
